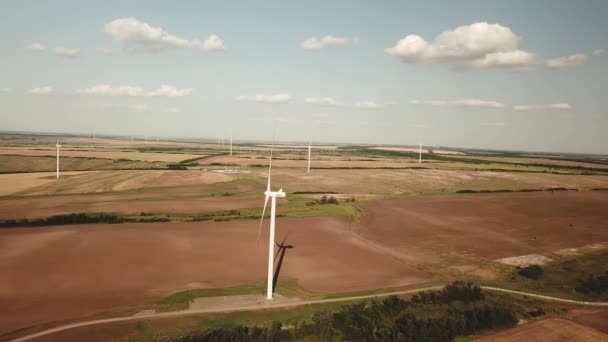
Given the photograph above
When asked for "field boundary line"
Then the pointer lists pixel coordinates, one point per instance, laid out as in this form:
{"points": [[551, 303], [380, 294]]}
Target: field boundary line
{"points": [[548, 298]]}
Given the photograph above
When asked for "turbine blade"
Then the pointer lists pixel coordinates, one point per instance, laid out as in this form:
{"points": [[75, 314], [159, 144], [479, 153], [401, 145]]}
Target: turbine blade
{"points": [[262, 219], [270, 163]]}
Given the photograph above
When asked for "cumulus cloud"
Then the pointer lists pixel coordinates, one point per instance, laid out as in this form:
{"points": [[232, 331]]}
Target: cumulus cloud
{"points": [[566, 61], [314, 43], [599, 52], [560, 106], [37, 47], [479, 45], [170, 91], [104, 51], [41, 90], [213, 43], [371, 104], [276, 98], [163, 91], [326, 101], [460, 103], [141, 35], [66, 52]]}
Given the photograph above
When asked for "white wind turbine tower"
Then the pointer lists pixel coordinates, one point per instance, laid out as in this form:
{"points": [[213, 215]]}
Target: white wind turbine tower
{"points": [[420, 154], [271, 242], [57, 146], [309, 149]]}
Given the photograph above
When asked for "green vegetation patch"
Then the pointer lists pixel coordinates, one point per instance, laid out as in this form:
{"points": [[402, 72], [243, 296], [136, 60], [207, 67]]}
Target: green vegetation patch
{"points": [[181, 300], [460, 309], [582, 277], [80, 218]]}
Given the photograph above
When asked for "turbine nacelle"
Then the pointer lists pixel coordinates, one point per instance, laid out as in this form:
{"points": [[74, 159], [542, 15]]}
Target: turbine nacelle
{"points": [[278, 194]]}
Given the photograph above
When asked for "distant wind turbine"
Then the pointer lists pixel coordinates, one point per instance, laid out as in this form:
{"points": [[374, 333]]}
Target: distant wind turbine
{"points": [[271, 240], [309, 149], [57, 146]]}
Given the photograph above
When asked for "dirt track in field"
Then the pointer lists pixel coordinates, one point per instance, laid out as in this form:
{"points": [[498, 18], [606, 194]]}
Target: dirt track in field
{"points": [[105, 181], [548, 330], [322, 163], [66, 152], [74, 271], [450, 230], [36, 207]]}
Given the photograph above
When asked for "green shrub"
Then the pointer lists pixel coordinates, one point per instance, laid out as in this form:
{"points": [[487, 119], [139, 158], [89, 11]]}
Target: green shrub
{"points": [[532, 271]]}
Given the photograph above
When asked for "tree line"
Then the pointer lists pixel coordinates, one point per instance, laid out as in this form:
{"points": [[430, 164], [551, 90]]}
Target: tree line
{"points": [[81, 218], [460, 309]]}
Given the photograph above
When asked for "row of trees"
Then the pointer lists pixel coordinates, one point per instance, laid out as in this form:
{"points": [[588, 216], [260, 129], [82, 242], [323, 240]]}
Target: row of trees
{"points": [[81, 218], [593, 284], [457, 310]]}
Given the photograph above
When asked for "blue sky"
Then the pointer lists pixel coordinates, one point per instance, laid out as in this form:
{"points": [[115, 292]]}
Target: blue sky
{"points": [[532, 78]]}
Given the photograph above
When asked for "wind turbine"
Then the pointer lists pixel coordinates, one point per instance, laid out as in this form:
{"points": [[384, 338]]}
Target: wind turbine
{"points": [[57, 146], [420, 154], [274, 195], [309, 148]]}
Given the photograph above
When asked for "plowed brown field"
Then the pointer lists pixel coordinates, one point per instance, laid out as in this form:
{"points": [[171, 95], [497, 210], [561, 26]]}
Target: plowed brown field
{"points": [[548, 330], [50, 274], [448, 230]]}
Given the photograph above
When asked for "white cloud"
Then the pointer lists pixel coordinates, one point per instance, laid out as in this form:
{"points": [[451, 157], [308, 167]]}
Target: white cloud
{"points": [[213, 43], [479, 45], [566, 61], [163, 91], [326, 101], [173, 110], [170, 91], [41, 90], [599, 52], [141, 35], [460, 103], [106, 89], [314, 43], [276, 98], [5, 90], [104, 51], [370, 105], [562, 106], [37, 47], [65, 52], [320, 115]]}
